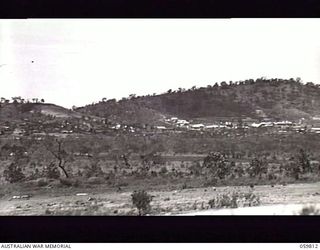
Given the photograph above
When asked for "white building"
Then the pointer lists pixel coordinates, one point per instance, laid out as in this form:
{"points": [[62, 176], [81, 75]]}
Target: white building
{"points": [[212, 126], [197, 126], [161, 127]]}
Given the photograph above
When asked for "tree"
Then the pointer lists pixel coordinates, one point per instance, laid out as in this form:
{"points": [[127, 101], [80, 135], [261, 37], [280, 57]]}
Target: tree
{"points": [[13, 173], [148, 160], [20, 157], [216, 164], [16, 100], [223, 84], [257, 167], [302, 163], [56, 148], [298, 80]]}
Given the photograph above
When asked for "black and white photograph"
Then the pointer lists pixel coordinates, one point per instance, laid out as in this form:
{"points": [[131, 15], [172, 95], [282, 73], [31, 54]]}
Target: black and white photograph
{"points": [[150, 117]]}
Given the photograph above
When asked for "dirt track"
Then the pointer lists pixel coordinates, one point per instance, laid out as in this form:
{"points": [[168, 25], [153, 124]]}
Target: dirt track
{"points": [[186, 201]]}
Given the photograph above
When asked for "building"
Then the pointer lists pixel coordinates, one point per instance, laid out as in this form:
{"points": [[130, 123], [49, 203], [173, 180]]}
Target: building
{"points": [[197, 126]]}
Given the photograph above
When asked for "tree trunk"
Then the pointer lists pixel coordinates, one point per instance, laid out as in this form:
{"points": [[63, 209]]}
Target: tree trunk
{"points": [[64, 171]]}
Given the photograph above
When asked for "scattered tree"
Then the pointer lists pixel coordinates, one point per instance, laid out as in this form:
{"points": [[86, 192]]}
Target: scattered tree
{"points": [[216, 164], [258, 167], [56, 148], [13, 173]]}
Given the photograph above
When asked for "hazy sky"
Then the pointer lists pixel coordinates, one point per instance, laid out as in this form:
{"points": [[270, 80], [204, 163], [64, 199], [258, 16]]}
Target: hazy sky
{"points": [[76, 62]]}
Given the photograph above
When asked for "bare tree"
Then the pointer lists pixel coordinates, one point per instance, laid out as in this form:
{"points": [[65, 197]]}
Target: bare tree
{"points": [[56, 148]]}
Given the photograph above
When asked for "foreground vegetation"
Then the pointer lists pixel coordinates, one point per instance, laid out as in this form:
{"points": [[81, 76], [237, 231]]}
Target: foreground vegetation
{"points": [[133, 161]]}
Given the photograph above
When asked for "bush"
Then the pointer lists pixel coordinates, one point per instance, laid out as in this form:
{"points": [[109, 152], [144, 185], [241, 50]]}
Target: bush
{"points": [[309, 210], [163, 170], [69, 182], [257, 167], [184, 186], [234, 200], [209, 182], [216, 164], [66, 182], [302, 159], [13, 173], [93, 170], [301, 164], [42, 182], [195, 168], [51, 171], [224, 201], [141, 200]]}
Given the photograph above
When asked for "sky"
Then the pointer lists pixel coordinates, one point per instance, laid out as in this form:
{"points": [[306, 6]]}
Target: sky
{"points": [[80, 61]]}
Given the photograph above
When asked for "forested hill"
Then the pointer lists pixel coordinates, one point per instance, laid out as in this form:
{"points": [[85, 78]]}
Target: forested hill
{"points": [[276, 98]]}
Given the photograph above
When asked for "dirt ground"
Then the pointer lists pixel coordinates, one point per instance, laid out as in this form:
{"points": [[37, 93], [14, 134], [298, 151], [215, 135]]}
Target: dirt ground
{"points": [[192, 201]]}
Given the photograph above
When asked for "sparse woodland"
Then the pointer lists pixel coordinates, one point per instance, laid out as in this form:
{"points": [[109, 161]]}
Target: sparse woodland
{"points": [[68, 152]]}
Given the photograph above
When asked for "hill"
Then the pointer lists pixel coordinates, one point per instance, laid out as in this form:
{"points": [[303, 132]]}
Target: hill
{"points": [[19, 111], [260, 98], [123, 111]]}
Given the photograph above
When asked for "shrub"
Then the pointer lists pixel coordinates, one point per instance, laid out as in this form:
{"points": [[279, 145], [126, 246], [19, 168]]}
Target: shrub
{"points": [[154, 173], [195, 168], [163, 170], [209, 182], [69, 182], [303, 161], [216, 164], [223, 201], [271, 176], [234, 200], [66, 182], [257, 167], [93, 170], [42, 182], [13, 173], [309, 210], [184, 186], [141, 200], [51, 171], [301, 164], [239, 170]]}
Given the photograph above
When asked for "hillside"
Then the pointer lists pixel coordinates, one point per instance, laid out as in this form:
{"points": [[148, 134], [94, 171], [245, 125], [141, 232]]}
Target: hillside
{"points": [[19, 111], [125, 112], [260, 98]]}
